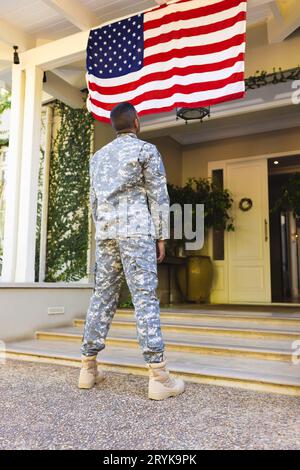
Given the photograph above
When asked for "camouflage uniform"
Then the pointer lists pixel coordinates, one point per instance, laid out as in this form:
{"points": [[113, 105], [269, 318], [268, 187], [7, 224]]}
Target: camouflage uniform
{"points": [[130, 208]]}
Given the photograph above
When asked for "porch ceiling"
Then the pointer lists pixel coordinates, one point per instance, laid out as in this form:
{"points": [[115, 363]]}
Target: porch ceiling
{"points": [[250, 123], [54, 19], [42, 21]]}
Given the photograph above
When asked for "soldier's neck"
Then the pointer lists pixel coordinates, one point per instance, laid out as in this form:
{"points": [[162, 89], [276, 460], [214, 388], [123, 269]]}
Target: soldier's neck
{"points": [[127, 131]]}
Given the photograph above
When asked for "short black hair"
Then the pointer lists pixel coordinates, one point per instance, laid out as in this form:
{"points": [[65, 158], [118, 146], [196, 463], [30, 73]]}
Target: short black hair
{"points": [[122, 116]]}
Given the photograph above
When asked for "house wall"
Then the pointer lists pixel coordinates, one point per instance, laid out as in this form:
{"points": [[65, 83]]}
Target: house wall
{"points": [[196, 157], [24, 308], [260, 55]]}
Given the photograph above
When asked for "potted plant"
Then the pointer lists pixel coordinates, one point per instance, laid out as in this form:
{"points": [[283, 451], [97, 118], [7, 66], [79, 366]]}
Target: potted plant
{"points": [[195, 277], [290, 196]]}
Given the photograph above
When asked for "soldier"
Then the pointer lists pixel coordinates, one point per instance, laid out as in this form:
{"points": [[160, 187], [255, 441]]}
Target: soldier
{"points": [[130, 208]]}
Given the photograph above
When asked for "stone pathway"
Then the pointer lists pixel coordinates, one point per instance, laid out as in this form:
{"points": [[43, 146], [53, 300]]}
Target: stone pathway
{"points": [[41, 408]]}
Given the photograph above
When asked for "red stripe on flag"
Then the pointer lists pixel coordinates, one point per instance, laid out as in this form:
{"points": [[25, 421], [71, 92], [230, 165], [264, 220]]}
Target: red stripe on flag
{"points": [[195, 50], [196, 31], [158, 76], [181, 104], [186, 89], [191, 14]]}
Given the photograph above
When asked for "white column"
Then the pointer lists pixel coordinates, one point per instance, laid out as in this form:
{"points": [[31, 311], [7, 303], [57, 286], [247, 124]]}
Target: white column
{"points": [[46, 172], [12, 179], [29, 175]]}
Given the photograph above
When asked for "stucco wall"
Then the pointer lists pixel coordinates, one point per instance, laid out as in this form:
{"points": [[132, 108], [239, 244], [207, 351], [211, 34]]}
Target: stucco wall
{"points": [[260, 55], [196, 157], [23, 310]]}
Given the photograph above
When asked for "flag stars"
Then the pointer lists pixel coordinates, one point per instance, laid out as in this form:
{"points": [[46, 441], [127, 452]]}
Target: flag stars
{"points": [[118, 47]]}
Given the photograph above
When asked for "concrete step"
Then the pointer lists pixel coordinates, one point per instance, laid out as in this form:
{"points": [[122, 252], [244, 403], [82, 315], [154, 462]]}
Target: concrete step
{"points": [[210, 315], [255, 374], [280, 350], [213, 326]]}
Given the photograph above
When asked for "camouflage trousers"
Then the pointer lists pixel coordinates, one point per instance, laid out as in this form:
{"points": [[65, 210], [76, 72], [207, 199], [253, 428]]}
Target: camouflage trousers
{"points": [[136, 258]]}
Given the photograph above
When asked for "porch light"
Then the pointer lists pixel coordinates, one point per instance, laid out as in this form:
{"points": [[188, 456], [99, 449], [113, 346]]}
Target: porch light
{"points": [[190, 114], [16, 55]]}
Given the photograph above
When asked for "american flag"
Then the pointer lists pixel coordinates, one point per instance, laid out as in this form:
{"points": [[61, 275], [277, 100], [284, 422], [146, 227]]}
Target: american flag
{"points": [[187, 53]]}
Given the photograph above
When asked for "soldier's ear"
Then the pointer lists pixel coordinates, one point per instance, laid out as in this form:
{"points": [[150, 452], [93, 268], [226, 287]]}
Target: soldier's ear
{"points": [[137, 124]]}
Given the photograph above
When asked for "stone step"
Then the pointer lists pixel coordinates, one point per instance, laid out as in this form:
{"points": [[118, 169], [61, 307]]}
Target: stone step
{"points": [[219, 326], [280, 350], [255, 374], [210, 315]]}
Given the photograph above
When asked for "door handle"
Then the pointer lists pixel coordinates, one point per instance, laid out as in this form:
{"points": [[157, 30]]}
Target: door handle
{"points": [[266, 231]]}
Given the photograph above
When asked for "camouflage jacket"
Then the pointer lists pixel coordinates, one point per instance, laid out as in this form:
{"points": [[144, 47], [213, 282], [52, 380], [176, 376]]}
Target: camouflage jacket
{"points": [[128, 191]]}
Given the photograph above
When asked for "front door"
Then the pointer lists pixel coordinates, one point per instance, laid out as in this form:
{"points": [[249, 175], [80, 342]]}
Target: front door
{"points": [[248, 249]]}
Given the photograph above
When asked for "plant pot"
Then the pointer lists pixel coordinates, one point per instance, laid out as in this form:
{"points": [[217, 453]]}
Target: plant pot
{"points": [[195, 278]]}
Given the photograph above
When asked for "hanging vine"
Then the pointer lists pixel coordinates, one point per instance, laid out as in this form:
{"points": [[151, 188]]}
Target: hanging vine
{"points": [[68, 211]]}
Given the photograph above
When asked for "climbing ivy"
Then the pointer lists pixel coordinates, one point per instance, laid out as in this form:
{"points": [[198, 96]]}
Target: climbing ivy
{"points": [[68, 211], [5, 104]]}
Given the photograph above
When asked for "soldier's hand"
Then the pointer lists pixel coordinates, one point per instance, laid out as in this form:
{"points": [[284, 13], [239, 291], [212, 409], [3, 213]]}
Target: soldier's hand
{"points": [[161, 251]]}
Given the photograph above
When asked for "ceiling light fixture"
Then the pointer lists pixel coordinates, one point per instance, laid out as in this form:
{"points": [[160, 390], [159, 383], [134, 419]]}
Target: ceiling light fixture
{"points": [[16, 55], [191, 114]]}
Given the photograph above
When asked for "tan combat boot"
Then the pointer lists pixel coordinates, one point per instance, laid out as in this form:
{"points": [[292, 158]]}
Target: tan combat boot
{"points": [[161, 384], [89, 374]]}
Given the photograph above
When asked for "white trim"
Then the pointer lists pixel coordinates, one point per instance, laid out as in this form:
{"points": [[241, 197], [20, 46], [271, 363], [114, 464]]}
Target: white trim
{"points": [[255, 157], [222, 164], [45, 285], [25, 265], [13, 175]]}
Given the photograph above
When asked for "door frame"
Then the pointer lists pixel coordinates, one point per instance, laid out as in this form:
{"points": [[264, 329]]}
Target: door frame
{"points": [[221, 295]]}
